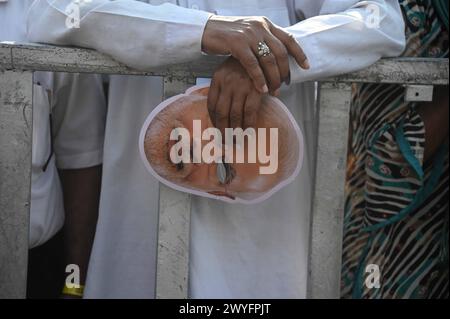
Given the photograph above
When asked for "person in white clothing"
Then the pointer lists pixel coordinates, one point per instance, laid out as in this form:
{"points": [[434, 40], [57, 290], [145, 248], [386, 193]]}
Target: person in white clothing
{"points": [[67, 149], [237, 251]]}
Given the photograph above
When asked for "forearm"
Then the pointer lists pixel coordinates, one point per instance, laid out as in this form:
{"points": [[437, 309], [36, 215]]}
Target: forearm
{"points": [[135, 33], [81, 189], [342, 42]]}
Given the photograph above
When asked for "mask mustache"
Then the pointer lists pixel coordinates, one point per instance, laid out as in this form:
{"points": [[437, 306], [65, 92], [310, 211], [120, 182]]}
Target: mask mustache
{"points": [[225, 173]]}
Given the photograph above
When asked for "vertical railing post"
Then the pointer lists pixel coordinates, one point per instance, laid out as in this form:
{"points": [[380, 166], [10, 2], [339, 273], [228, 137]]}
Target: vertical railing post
{"points": [[172, 268], [16, 92], [328, 192]]}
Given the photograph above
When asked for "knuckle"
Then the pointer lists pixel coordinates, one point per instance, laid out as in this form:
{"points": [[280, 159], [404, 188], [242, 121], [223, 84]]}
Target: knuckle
{"points": [[262, 21], [283, 54], [235, 117], [241, 75], [220, 114], [250, 61], [249, 110], [256, 20], [236, 37], [292, 40], [228, 78], [270, 60], [249, 32], [236, 81]]}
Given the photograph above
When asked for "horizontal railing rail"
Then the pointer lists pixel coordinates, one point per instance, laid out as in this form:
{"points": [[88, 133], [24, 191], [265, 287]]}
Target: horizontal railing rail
{"points": [[38, 57]]}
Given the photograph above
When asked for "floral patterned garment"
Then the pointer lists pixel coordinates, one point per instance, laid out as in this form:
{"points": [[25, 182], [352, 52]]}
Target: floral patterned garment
{"points": [[396, 210]]}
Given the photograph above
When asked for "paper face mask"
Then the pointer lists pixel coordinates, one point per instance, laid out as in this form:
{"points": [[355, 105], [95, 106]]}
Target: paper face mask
{"points": [[181, 148]]}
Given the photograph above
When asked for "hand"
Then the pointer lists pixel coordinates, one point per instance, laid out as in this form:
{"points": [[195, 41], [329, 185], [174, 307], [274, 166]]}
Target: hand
{"points": [[233, 100], [239, 37]]}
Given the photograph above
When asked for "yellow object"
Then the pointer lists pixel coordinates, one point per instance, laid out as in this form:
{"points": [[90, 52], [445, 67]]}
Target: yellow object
{"points": [[74, 291]]}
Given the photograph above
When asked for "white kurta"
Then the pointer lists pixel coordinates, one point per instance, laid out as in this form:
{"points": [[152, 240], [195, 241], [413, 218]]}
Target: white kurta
{"points": [[78, 110], [237, 251]]}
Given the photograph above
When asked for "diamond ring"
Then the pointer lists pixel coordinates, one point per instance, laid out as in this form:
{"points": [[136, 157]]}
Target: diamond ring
{"points": [[263, 49]]}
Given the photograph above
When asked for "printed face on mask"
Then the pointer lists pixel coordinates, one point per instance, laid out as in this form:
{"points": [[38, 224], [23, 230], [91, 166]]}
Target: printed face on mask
{"points": [[182, 149]]}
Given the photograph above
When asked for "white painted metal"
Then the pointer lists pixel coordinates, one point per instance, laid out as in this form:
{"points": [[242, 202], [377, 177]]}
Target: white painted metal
{"points": [[173, 241], [419, 93], [324, 262], [173, 225], [62, 59], [15, 180], [39, 57], [401, 71]]}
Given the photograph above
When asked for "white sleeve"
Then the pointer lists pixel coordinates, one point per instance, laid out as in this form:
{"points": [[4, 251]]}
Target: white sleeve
{"points": [[346, 36], [135, 33], [78, 120]]}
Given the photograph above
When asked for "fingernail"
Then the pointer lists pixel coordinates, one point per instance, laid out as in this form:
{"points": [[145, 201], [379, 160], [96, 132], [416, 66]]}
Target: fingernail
{"points": [[265, 88], [288, 79], [277, 92], [306, 64]]}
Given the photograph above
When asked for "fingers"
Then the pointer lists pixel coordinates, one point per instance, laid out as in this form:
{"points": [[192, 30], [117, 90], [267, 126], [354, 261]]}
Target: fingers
{"points": [[230, 91], [280, 53], [213, 96], [237, 110], [222, 111], [240, 37], [270, 67], [292, 46], [251, 64], [252, 105]]}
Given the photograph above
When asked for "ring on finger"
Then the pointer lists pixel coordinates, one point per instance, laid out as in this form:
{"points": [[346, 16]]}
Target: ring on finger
{"points": [[263, 49]]}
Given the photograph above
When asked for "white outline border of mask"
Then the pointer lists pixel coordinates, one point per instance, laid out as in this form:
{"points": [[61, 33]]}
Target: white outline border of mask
{"points": [[183, 189]]}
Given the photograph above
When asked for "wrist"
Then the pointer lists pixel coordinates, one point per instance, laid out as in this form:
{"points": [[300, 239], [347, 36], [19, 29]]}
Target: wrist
{"points": [[206, 36], [213, 38]]}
